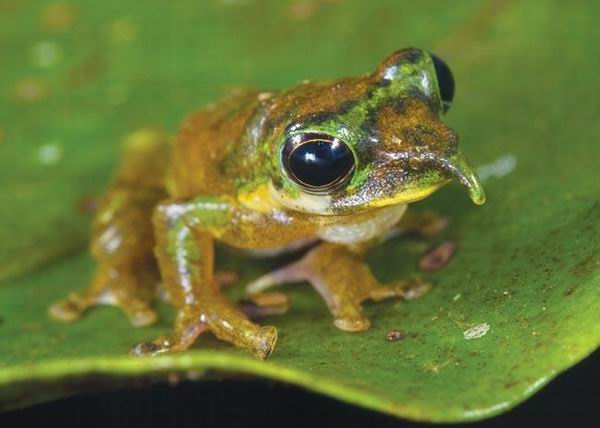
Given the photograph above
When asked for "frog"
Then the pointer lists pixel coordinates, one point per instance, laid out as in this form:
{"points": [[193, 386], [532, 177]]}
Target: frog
{"points": [[327, 167]]}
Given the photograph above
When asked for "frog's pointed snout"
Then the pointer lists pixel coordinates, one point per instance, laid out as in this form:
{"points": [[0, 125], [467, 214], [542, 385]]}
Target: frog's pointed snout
{"points": [[459, 168]]}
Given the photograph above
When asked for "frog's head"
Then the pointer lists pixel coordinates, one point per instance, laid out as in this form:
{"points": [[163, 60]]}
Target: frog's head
{"points": [[373, 141]]}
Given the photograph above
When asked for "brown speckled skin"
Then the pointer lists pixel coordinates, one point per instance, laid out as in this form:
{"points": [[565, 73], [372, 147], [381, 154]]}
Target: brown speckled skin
{"points": [[222, 179]]}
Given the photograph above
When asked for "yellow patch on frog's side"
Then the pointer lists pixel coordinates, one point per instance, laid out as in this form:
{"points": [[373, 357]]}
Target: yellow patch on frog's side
{"points": [[304, 203], [259, 199]]}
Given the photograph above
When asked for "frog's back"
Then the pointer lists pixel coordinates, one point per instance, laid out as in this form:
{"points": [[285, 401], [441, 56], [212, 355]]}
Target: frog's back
{"points": [[205, 141]]}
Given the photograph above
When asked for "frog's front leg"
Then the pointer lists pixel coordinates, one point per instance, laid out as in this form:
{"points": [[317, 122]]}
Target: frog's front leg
{"points": [[184, 235], [343, 279]]}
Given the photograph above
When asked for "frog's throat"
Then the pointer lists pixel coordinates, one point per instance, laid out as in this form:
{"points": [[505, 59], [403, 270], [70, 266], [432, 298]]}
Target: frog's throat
{"points": [[458, 167]]}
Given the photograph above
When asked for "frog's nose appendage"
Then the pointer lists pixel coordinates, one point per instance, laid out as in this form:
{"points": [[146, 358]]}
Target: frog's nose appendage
{"points": [[459, 168]]}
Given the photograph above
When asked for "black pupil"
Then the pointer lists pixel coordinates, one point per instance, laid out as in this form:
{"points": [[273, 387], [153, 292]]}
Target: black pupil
{"points": [[445, 81], [320, 163]]}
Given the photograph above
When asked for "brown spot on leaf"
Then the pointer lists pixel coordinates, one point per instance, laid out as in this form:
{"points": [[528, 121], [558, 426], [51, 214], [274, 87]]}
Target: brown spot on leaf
{"points": [[30, 90], [301, 10], [586, 266], [88, 70], [437, 257], [394, 335], [58, 17]]}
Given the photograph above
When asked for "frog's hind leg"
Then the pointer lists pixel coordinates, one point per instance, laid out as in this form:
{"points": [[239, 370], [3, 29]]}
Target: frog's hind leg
{"points": [[116, 286], [343, 280], [122, 237]]}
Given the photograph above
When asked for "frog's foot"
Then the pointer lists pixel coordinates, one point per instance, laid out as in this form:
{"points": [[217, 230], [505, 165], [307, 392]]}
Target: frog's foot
{"points": [[265, 304], [188, 326], [221, 318], [120, 292], [343, 280], [72, 308]]}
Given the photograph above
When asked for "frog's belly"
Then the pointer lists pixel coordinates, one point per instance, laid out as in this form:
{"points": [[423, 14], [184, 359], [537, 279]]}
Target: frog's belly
{"points": [[297, 245], [361, 231], [345, 234]]}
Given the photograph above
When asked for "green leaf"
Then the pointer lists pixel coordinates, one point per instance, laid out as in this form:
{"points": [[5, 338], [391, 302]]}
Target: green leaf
{"points": [[515, 306]]}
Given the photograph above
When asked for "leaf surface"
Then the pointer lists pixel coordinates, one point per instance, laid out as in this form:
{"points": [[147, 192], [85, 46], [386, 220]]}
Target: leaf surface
{"points": [[517, 303]]}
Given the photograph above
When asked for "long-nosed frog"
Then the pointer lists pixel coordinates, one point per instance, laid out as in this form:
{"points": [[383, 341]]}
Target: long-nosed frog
{"points": [[329, 163]]}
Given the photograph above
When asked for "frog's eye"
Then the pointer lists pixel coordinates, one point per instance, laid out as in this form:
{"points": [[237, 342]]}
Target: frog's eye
{"points": [[445, 82], [318, 163]]}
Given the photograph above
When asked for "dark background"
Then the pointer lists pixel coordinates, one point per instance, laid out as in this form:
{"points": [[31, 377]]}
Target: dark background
{"points": [[571, 400]]}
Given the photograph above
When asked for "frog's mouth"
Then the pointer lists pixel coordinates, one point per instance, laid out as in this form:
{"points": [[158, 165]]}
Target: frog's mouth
{"points": [[459, 168], [436, 171]]}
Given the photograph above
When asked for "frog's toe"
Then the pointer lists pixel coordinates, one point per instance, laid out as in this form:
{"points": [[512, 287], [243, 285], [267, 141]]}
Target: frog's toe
{"points": [[178, 342], [348, 316], [265, 304], [64, 310], [141, 316], [352, 324], [407, 290], [294, 272], [187, 329], [155, 347], [137, 310], [271, 300], [71, 308], [264, 342], [410, 290]]}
